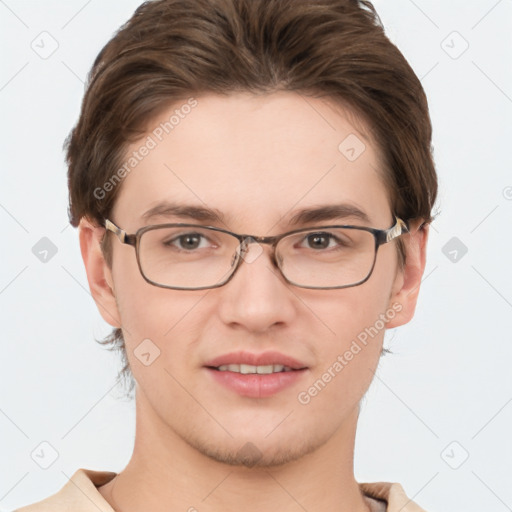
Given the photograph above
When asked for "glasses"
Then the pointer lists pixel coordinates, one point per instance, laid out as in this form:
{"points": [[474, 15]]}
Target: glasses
{"points": [[194, 257]]}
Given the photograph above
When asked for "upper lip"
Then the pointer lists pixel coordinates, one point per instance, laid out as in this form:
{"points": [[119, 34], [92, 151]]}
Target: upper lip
{"points": [[263, 359]]}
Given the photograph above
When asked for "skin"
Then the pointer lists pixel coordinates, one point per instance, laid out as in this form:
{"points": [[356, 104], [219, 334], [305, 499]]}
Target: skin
{"points": [[257, 159]]}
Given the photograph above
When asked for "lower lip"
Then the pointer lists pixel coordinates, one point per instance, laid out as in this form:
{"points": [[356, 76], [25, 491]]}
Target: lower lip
{"points": [[256, 385]]}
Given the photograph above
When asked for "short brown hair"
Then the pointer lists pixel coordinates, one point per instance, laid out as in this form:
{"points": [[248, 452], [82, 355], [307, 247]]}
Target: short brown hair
{"points": [[174, 49]]}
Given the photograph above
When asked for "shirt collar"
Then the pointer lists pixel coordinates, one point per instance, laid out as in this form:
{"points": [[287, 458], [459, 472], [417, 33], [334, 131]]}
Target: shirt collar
{"points": [[81, 493]]}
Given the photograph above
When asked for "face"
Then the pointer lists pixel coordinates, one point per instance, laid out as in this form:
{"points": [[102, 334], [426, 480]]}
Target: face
{"points": [[256, 161]]}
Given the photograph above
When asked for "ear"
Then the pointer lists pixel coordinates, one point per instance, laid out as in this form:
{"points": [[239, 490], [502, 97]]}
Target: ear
{"points": [[406, 287], [99, 275]]}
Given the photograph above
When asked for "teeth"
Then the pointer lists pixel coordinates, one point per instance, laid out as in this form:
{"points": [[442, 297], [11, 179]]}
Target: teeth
{"points": [[248, 368]]}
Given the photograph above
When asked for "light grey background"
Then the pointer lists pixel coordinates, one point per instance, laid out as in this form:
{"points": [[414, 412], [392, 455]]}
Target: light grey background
{"points": [[445, 394]]}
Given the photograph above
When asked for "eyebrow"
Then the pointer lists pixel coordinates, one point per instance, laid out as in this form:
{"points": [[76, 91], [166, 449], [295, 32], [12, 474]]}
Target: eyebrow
{"points": [[303, 216], [328, 212], [167, 209]]}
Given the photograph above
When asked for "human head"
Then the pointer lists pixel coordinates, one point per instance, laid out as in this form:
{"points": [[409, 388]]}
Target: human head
{"points": [[173, 50]]}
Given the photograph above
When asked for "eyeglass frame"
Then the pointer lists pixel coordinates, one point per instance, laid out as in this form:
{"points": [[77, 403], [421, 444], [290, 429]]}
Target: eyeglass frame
{"points": [[381, 236]]}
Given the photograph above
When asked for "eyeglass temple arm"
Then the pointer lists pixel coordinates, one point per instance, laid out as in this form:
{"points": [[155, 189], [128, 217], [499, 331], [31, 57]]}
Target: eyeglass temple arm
{"points": [[398, 229], [110, 226]]}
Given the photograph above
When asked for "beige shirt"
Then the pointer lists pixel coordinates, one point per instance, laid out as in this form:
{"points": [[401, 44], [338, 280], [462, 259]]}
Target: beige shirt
{"points": [[80, 494]]}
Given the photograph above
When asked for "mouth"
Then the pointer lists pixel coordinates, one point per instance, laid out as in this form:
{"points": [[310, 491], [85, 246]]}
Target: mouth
{"points": [[255, 375], [246, 369], [247, 362]]}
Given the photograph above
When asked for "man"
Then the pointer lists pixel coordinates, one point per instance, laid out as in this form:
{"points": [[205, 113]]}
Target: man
{"points": [[253, 183]]}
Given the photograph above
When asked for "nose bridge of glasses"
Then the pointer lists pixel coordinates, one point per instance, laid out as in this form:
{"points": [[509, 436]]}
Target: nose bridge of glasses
{"points": [[253, 239], [249, 255]]}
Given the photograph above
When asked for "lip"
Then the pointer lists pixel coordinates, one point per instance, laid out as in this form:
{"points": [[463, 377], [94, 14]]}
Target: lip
{"points": [[263, 359], [255, 385]]}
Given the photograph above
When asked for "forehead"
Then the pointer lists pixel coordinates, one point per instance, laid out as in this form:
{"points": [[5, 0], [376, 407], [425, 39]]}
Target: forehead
{"points": [[254, 158]]}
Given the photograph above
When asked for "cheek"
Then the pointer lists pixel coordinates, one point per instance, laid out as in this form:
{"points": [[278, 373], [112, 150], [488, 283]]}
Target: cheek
{"points": [[355, 321], [146, 310], [350, 313], [163, 323], [160, 314]]}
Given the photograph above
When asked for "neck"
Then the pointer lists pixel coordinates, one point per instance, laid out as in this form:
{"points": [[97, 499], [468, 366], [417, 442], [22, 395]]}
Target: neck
{"points": [[166, 473]]}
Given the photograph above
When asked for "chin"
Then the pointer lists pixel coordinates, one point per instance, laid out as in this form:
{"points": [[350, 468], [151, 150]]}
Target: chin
{"points": [[257, 452]]}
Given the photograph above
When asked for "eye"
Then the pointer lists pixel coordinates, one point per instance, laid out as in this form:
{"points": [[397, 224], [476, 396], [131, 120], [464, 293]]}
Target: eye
{"points": [[188, 241], [322, 240]]}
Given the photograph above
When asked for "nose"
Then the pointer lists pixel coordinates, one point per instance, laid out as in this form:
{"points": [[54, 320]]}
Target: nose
{"points": [[257, 297]]}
